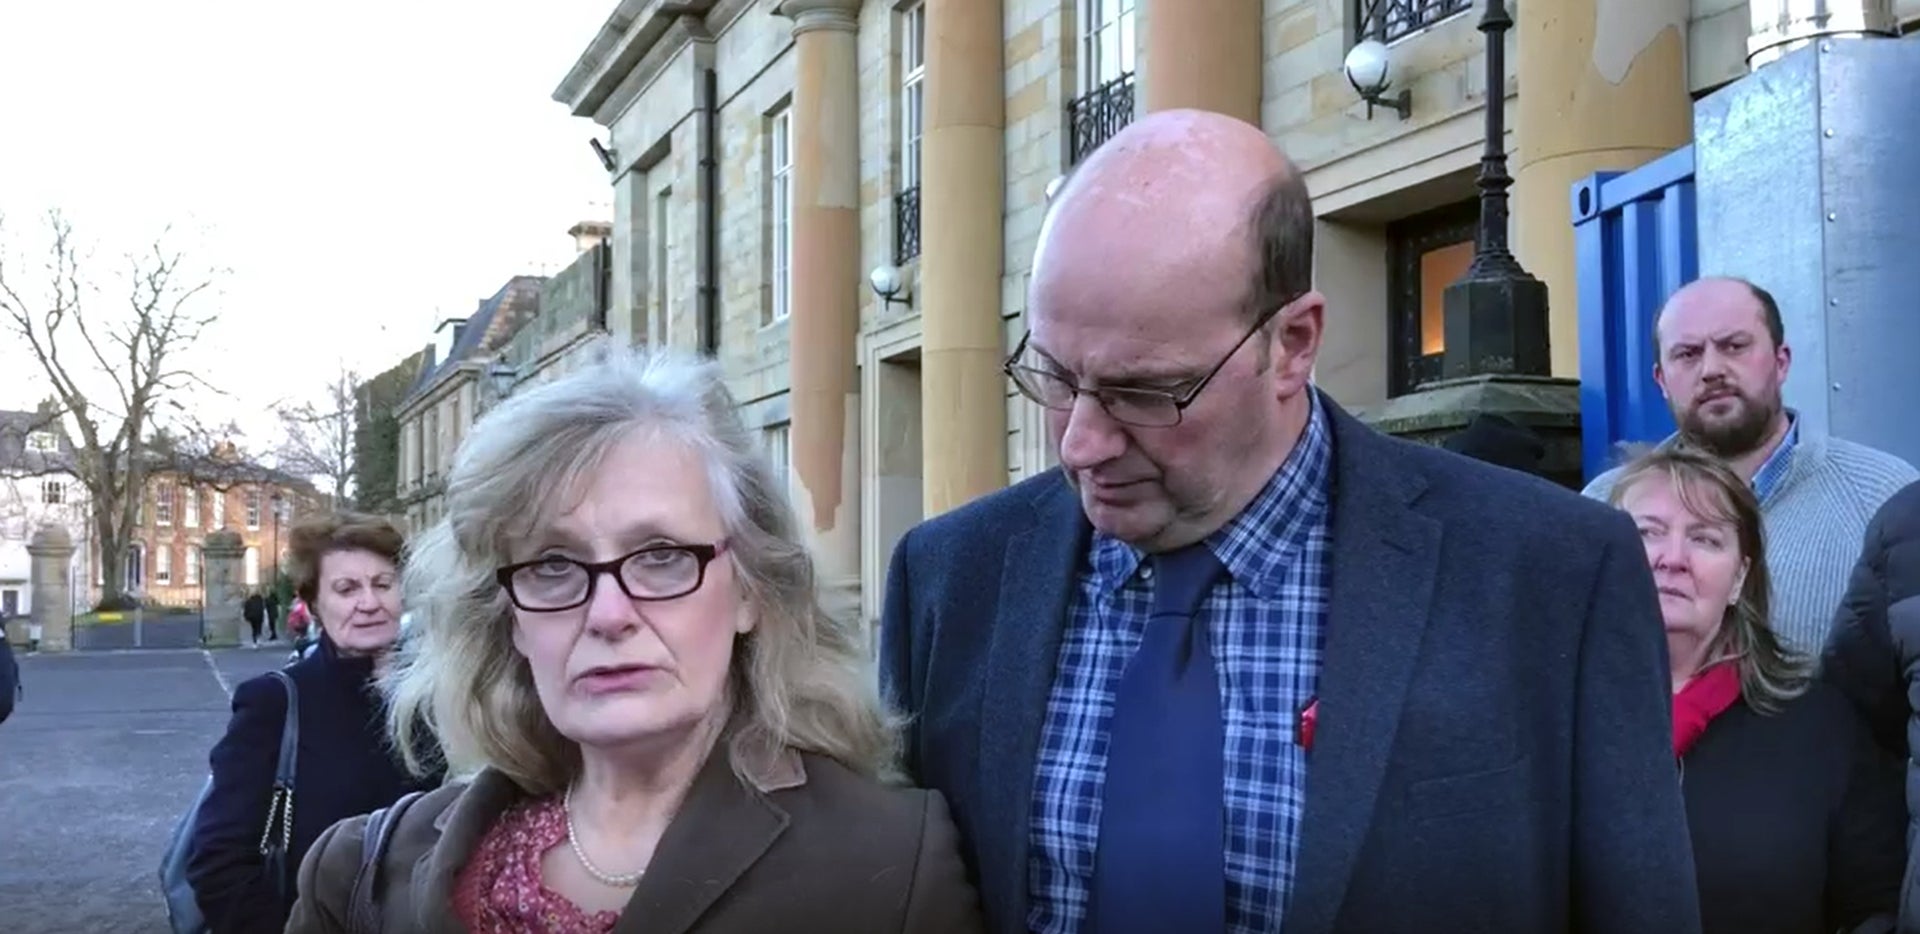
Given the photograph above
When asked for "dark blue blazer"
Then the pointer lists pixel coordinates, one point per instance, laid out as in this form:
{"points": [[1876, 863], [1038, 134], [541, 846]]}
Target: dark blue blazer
{"points": [[345, 769], [1492, 752]]}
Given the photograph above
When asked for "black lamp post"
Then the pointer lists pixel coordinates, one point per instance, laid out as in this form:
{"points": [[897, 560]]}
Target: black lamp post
{"points": [[1496, 315]]}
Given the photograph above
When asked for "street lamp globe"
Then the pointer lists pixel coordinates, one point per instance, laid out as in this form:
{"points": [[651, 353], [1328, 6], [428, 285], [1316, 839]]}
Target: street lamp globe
{"points": [[884, 280], [1369, 68]]}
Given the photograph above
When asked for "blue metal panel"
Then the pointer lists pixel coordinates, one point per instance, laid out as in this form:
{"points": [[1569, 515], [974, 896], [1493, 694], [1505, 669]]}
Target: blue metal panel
{"points": [[1635, 241]]}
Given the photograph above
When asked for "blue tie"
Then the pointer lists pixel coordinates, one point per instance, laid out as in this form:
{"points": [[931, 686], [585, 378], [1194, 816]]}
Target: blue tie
{"points": [[1161, 864]]}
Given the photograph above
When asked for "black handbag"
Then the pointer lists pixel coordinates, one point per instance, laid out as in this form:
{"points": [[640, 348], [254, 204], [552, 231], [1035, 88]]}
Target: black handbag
{"points": [[276, 838], [183, 909]]}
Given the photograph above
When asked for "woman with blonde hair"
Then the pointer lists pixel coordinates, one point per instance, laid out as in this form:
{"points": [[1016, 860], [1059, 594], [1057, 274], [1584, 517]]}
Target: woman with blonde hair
{"points": [[617, 626], [1795, 816]]}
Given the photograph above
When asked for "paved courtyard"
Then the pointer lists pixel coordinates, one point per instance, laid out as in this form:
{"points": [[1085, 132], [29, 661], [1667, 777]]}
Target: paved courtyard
{"points": [[96, 764]]}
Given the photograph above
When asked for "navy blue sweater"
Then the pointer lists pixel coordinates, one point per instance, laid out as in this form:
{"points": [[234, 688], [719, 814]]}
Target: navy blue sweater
{"points": [[344, 769]]}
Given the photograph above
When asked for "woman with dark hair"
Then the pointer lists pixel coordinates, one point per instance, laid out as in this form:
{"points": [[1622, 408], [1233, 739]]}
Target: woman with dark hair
{"points": [[346, 568], [1796, 818]]}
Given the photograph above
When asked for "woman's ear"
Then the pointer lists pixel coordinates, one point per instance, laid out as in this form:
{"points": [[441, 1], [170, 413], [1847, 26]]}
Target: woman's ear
{"points": [[1739, 583]]}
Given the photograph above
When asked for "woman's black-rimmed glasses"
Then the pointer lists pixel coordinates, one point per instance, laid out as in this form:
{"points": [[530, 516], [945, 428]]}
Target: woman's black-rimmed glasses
{"points": [[656, 572]]}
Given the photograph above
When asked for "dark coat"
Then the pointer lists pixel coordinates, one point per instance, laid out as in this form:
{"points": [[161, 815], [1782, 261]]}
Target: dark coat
{"points": [[344, 769], [821, 850], [1873, 653], [1796, 820], [9, 676], [1492, 749], [254, 609]]}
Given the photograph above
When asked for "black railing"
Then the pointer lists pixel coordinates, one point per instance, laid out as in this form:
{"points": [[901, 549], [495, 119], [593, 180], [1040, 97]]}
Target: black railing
{"points": [[906, 225], [1094, 117], [1389, 20]]}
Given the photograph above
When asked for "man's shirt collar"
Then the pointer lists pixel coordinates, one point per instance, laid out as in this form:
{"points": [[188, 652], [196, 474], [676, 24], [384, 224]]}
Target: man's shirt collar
{"points": [[1266, 533]]}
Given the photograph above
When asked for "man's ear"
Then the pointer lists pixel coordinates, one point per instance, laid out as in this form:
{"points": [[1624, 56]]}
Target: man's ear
{"points": [[1660, 380], [1295, 342]]}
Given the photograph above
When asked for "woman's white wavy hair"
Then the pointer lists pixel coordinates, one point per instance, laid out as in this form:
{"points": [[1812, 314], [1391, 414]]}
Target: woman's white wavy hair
{"points": [[800, 679]]}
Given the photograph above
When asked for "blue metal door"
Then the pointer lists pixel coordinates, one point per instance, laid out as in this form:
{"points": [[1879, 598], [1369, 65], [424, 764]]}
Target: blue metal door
{"points": [[1635, 242]]}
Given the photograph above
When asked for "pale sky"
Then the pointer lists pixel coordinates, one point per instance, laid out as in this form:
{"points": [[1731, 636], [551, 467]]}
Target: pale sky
{"points": [[363, 168]]}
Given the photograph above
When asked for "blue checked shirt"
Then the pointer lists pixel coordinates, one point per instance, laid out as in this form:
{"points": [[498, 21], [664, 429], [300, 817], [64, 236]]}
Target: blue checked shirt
{"points": [[1767, 478], [1267, 624]]}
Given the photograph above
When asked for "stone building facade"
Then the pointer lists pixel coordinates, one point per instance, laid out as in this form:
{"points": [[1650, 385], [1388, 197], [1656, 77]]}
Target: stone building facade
{"points": [[572, 311], [37, 487], [775, 162], [165, 563], [451, 390]]}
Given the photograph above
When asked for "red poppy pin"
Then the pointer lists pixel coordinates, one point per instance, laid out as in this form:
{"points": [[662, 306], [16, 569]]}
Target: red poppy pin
{"points": [[1309, 718]]}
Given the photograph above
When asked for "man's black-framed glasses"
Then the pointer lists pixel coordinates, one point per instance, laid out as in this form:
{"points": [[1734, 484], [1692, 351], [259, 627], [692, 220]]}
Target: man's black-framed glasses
{"points": [[657, 572], [1139, 406]]}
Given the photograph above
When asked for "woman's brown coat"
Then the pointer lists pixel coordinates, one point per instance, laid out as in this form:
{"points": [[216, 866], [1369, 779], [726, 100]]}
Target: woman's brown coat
{"points": [[816, 848]]}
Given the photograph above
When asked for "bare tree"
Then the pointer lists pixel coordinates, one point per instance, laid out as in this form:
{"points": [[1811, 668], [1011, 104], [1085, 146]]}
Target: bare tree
{"points": [[110, 370], [202, 455], [319, 438]]}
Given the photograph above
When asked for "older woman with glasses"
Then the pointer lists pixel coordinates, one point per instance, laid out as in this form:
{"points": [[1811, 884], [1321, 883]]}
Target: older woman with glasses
{"points": [[619, 628]]}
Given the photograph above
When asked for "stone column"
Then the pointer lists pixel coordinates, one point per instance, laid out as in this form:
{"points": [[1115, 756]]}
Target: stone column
{"points": [[226, 587], [1603, 87], [627, 318], [1204, 54], [51, 550], [963, 394], [823, 333]]}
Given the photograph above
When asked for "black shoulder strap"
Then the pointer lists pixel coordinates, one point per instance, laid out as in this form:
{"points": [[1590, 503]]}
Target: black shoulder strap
{"points": [[289, 734], [363, 911]]}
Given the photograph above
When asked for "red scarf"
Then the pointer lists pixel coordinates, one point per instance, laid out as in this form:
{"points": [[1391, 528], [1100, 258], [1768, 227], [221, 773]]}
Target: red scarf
{"points": [[1705, 697]]}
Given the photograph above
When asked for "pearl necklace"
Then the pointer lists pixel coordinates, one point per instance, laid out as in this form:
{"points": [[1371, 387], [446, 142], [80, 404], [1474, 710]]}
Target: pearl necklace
{"points": [[618, 881]]}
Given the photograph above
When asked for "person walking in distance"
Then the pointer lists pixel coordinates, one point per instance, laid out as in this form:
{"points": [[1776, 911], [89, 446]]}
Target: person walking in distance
{"points": [[255, 612]]}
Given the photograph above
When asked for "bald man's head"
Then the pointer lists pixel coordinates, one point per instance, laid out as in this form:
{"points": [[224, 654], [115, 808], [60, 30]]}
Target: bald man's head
{"points": [[1727, 291], [1208, 187], [1723, 363], [1172, 287]]}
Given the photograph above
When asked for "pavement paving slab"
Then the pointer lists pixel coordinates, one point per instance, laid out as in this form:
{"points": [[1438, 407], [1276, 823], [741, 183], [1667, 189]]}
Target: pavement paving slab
{"points": [[96, 765]]}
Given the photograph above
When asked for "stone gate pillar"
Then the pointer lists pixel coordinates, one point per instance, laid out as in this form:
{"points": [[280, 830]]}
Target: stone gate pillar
{"points": [[226, 588], [51, 549]]}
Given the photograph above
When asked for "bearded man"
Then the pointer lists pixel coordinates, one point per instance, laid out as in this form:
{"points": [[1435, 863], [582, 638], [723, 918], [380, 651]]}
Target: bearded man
{"points": [[1723, 358]]}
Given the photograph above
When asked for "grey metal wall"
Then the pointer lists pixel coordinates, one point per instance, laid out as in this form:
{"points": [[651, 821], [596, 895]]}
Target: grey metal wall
{"points": [[1808, 177]]}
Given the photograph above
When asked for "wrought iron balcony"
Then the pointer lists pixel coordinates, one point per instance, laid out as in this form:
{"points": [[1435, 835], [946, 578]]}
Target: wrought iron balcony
{"points": [[1391, 20], [1094, 117], [906, 225]]}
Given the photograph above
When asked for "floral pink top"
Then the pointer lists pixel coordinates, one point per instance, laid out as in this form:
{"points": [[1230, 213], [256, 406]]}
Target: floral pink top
{"points": [[500, 892]]}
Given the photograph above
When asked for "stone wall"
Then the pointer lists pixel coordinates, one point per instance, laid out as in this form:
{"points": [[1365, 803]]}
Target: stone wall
{"points": [[1364, 173], [1040, 61], [753, 54]]}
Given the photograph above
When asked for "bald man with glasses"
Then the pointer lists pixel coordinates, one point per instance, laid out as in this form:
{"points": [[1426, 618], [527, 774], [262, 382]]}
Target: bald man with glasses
{"points": [[1242, 664]]}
